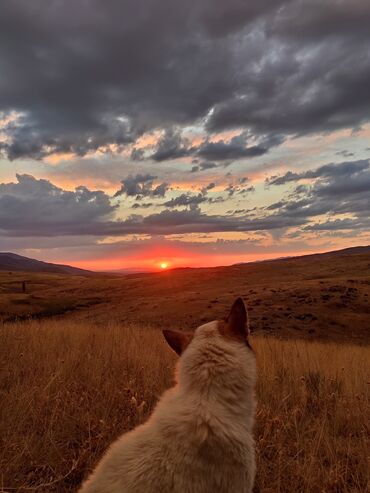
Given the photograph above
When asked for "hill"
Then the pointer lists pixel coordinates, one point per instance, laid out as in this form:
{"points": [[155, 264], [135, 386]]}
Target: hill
{"points": [[324, 296], [358, 250], [13, 262]]}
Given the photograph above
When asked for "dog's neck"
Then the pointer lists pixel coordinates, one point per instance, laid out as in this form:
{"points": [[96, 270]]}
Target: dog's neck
{"points": [[214, 388], [233, 399]]}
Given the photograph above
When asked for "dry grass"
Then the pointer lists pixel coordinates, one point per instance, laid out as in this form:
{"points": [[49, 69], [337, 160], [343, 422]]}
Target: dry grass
{"points": [[67, 389], [313, 417]]}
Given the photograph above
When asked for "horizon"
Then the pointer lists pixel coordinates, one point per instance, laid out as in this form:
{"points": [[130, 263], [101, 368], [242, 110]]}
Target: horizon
{"points": [[175, 263], [168, 265], [192, 135]]}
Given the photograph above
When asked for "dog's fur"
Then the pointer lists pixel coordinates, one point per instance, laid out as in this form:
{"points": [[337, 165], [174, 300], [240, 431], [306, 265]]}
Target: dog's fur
{"points": [[199, 437]]}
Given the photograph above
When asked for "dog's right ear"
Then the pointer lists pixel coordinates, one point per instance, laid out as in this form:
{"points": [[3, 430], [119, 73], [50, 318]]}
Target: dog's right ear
{"points": [[237, 321], [177, 340]]}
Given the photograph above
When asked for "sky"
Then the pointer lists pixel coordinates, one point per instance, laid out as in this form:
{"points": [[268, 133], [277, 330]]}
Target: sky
{"points": [[140, 132]]}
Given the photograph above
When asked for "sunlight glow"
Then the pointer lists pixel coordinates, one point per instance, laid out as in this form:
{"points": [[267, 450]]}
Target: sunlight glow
{"points": [[163, 265]]}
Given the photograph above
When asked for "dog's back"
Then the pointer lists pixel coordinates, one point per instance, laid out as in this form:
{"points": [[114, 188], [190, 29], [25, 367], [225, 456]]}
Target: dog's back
{"points": [[199, 437]]}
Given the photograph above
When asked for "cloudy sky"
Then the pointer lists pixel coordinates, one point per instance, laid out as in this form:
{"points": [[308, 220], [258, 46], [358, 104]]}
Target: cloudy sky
{"points": [[135, 132]]}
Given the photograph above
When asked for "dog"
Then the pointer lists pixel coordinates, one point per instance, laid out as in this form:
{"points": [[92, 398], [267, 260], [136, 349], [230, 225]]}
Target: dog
{"points": [[199, 437]]}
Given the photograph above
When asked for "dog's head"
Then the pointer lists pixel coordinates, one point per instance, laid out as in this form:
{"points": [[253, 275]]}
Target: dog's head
{"points": [[217, 351]]}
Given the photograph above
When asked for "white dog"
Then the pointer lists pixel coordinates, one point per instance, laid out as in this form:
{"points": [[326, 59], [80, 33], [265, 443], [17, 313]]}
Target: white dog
{"points": [[199, 437]]}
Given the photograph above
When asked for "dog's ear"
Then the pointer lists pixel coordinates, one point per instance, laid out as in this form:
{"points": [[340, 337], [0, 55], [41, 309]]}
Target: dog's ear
{"points": [[177, 340], [237, 320]]}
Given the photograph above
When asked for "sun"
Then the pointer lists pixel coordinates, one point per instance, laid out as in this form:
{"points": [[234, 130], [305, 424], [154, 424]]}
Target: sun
{"points": [[163, 265]]}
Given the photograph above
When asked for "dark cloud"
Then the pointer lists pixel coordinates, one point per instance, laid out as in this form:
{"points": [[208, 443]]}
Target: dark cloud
{"points": [[240, 187], [339, 224], [237, 148], [344, 169], [208, 187], [337, 199], [312, 74], [193, 220], [38, 135], [202, 166], [192, 200], [321, 20], [186, 199], [336, 190], [88, 75], [32, 207], [345, 153], [142, 205], [142, 186], [173, 146]]}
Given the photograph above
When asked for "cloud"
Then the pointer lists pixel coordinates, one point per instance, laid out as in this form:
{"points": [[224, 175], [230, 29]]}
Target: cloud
{"points": [[192, 200], [339, 224], [241, 187], [237, 148], [208, 187], [202, 166], [332, 19], [140, 186], [344, 169], [32, 207], [142, 205], [186, 199], [41, 134], [338, 198], [345, 153], [193, 220], [173, 146], [87, 76], [336, 190]]}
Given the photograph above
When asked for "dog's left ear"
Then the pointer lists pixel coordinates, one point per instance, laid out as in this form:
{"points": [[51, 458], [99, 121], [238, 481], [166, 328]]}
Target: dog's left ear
{"points": [[177, 340], [237, 320]]}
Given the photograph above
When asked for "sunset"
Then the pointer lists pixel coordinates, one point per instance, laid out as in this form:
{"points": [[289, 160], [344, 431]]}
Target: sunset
{"points": [[184, 246], [259, 150]]}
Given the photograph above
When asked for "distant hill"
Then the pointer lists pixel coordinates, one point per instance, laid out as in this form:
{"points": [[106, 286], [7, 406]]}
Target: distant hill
{"points": [[323, 296], [13, 262], [358, 250]]}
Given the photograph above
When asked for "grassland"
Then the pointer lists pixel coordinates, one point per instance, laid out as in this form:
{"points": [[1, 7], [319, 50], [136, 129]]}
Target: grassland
{"points": [[46, 294], [82, 360], [319, 297], [69, 387]]}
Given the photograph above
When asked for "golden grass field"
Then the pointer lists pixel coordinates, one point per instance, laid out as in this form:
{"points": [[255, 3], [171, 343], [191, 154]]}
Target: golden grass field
{"points": [[315, 297], [69, 387]]}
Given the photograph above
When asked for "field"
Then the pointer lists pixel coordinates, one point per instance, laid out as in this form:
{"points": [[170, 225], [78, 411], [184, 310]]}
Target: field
{"points": [[82, 360], [318, 297], [69, 388]]}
